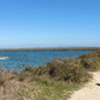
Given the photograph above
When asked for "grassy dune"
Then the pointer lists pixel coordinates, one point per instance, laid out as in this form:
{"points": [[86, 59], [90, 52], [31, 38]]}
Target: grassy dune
{"points": [[55, 81]]}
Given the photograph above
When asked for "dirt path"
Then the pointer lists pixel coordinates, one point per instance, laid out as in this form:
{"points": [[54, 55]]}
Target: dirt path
{"points": [[90, 92]]}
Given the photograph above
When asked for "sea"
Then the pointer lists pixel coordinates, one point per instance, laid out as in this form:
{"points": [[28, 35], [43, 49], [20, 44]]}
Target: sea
{"points": [[18, 60]]}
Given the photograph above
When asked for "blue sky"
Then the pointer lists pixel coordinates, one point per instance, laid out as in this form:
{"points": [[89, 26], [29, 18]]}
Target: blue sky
{"points": [[49, 23]]}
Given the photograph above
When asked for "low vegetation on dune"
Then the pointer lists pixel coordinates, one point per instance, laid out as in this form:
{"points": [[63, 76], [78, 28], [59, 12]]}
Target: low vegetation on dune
{"points": [[55, 81], [68, 70], [91, 61]]}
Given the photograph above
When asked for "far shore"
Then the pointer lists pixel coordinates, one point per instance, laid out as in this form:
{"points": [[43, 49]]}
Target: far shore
{"points": [[50, 49]]}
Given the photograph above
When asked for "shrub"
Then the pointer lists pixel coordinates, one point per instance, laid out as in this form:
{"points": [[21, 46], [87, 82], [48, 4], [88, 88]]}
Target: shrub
{"points": [[2, 77], [69, 70], [90, 62]]}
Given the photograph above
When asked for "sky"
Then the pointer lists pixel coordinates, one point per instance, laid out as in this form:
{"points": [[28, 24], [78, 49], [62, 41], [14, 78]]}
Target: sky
{"points": [[49, 23]]}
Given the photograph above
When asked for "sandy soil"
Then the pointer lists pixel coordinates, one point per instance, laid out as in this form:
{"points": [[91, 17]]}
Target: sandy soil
{"points": [[90, 92]]}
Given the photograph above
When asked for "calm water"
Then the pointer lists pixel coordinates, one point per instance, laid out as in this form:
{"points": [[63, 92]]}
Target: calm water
{"points": [[19, 60]]}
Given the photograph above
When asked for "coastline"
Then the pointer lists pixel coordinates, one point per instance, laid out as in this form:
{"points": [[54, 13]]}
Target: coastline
{"points": [[50, 49], [59, 80]]}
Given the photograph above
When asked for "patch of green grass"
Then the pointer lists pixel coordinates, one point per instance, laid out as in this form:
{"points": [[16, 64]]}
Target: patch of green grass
{"points": [[52, 90], [46, 89]]}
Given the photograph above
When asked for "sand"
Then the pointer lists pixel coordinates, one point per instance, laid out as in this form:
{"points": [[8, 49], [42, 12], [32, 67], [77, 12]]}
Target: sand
{"points": [[90, 91]]}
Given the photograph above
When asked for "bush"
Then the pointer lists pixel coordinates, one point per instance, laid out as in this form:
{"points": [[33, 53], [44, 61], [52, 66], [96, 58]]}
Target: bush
{"points": [[67, 71], [73, 70], [90, 62]]}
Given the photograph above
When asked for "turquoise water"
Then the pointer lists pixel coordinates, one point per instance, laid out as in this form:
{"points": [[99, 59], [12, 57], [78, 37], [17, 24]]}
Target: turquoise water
{"points": [[19, 60]]}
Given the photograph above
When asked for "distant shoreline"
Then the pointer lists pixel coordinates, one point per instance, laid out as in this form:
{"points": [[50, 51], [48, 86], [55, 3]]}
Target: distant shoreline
{"points": [[50, 49]]}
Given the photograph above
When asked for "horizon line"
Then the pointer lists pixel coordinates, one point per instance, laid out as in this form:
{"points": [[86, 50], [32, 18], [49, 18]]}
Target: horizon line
{"points": [[48, 48]]}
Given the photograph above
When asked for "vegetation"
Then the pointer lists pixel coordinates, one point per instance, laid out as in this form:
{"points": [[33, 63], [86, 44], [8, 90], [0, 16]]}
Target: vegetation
{"points": [[91, 61], [55, 81]]}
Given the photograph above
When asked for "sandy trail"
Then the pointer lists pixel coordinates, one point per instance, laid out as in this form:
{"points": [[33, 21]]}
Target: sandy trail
{"points": [[90, 92]]}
